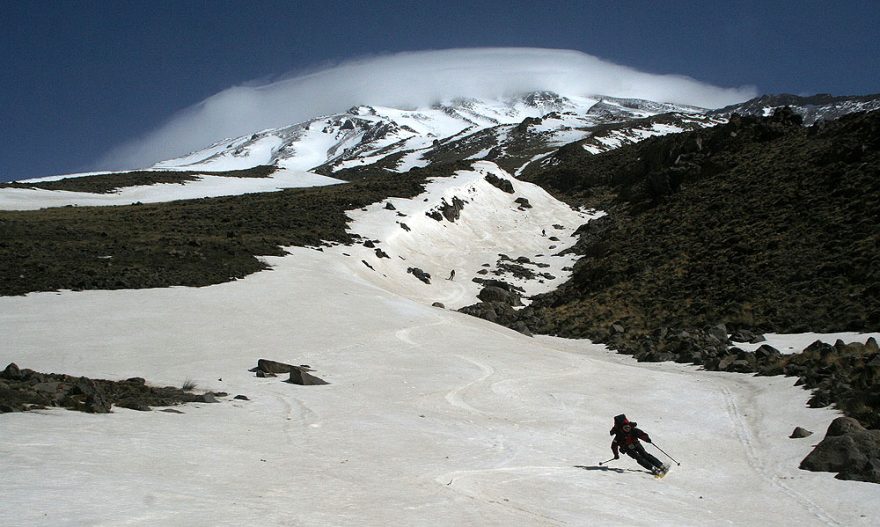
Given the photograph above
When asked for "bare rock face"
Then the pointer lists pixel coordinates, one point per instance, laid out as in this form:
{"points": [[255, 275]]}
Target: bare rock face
{"points": [[848, 449]]}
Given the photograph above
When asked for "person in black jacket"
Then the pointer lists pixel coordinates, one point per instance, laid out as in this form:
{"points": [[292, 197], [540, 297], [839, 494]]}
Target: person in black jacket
{"points": [[626, 440]]}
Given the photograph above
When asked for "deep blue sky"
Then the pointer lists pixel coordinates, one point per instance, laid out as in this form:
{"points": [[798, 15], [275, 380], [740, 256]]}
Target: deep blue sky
{"points": [[78, 78]]}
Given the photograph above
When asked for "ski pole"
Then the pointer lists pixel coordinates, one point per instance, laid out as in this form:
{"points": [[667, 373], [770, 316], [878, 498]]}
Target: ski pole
{"points": [[609, 461], [667, 455]]}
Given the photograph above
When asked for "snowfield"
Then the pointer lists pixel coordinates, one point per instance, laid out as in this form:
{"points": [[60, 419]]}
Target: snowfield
{"points": [[430, 417], [206, 186]]}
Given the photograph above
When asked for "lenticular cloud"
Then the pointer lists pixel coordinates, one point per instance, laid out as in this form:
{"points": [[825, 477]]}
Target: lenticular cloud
{"points": [[408, 80]]}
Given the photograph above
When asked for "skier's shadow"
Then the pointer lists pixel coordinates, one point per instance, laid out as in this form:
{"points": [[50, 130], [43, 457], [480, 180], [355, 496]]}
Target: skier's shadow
{"points": [[608, 469]]}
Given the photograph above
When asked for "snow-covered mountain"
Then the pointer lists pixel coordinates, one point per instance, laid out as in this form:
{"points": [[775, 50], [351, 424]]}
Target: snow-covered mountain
{"points": [[511, 131], [822, 107]]}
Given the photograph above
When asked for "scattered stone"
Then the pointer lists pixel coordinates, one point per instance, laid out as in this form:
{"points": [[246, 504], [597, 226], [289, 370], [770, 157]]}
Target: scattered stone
{"points": [[799, 433], [438, 304], [241, 398]]}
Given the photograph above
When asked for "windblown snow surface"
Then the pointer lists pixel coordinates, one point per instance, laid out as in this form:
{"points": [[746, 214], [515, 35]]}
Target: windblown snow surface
{"points": [[430, 417]]}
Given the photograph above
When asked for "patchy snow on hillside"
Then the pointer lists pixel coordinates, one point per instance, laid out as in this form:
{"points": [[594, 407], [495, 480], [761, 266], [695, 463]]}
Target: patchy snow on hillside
{"points": [[492, 223]]}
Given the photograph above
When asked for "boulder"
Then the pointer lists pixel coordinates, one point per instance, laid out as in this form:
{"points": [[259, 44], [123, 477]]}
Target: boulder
{"points": [[848, 449], [523, 203], [11, 372], [271, 366], [767, 353], [418, 273], [496, 294], [299, 376]]}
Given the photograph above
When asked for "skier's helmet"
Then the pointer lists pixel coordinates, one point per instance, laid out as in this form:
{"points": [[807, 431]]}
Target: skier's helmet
{"points": [[620, 420]]}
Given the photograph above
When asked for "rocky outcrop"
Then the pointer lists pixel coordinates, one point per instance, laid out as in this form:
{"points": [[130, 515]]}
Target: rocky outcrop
{"points": [[25, 389], [497, 301], [502, 184]]}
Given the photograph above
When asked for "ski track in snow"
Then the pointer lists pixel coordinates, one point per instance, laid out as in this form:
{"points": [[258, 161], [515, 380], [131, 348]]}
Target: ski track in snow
{"points": [[454, 397], [747, 439]]}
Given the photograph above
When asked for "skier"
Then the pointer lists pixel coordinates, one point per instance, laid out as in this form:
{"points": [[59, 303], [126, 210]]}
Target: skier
{"points": [[626, 438]]}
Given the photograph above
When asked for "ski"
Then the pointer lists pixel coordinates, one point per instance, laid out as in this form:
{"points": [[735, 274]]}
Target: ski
{"points": [[660, 474]]}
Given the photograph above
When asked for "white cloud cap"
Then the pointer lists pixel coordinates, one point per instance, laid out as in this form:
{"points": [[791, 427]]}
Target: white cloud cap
{"points": [[408, 80]]}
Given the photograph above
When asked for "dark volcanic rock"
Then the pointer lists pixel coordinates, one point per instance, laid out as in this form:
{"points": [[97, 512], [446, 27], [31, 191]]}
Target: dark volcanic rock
{"points": [[298, 374], [799, 433], [503, 184], [848, 449], [22, 390], [418, 273], [499, 313], [271, 366], [497, 294], [453, 211], [301, 377]]}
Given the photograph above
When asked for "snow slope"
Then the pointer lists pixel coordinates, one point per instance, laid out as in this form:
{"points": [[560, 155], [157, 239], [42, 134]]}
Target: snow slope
{"points": [[431, 417], [206, 186]]}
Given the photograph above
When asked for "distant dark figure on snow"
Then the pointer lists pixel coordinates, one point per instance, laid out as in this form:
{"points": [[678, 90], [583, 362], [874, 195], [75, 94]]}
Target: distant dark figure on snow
{"points": [[543, 232], [626, 439], [451, 274]]}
